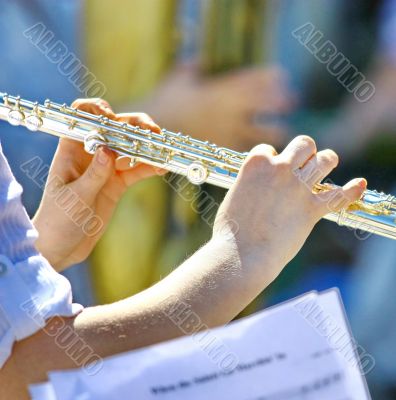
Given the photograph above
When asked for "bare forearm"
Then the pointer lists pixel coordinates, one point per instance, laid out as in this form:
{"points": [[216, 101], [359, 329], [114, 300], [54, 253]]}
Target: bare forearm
{"points": [[211, 288]]}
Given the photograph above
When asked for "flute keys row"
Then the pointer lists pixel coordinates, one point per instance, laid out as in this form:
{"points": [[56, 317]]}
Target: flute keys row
{"points": [[32, 122]]}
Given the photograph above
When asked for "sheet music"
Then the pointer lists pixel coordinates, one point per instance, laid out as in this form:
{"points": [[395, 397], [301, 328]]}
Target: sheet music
{"points": [[282, 353]]}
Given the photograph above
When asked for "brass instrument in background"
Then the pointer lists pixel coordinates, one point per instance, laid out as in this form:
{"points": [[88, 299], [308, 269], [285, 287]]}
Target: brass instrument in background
{"points": [[233, 35], [199, 161]]}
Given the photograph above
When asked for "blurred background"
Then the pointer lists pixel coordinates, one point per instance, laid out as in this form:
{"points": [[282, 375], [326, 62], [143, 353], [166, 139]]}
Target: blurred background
{"points": [[228, 71]]}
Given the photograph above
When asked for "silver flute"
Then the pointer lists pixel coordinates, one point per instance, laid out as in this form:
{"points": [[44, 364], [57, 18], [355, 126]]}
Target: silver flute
{"points": [[199, 161]]}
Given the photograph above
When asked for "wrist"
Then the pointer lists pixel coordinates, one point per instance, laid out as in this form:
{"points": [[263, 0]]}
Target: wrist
{"points": [[43, 243], [259, 264]]}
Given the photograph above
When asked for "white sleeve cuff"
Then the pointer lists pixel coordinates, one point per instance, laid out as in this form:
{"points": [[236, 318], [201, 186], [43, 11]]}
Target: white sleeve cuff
{"points": [[31, 292]]}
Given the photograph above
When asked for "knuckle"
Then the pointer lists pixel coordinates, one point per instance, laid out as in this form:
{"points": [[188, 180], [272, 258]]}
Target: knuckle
{"points": [[256, 158], [103, 104], [78, 102], [139, 119], [93, 174], [145, 118], [256, 162], [264, 148], [98, 100], [128, 118]]}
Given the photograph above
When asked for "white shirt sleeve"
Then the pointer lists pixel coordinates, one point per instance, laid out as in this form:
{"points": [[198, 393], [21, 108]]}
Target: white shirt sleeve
{"points": [[31, 291]]}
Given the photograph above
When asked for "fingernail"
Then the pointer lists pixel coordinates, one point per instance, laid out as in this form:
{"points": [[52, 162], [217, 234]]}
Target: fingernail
{"points": [[102, 156], [362, 183]]}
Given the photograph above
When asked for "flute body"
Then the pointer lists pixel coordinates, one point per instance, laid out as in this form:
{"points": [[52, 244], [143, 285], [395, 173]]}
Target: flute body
{"points": [[199, 161]]}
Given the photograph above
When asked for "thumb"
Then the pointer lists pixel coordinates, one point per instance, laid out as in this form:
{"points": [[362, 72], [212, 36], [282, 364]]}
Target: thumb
{"points": [[95, 176]]}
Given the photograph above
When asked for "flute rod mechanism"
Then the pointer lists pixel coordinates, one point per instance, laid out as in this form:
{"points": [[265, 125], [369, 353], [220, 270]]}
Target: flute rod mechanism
{"points": [[199, 161]]}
